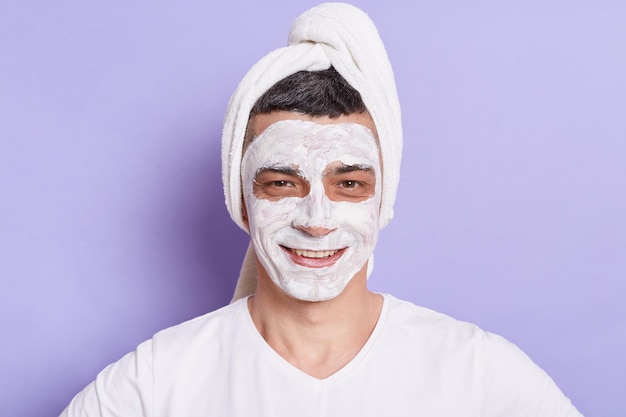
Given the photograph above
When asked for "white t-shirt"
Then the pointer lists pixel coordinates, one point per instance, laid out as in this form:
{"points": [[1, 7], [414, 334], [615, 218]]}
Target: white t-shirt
{"points": [[416, 363]]}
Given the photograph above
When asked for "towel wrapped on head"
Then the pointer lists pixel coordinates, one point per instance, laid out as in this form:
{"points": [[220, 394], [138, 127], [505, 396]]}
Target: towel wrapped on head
{"points": [[330, 34]]}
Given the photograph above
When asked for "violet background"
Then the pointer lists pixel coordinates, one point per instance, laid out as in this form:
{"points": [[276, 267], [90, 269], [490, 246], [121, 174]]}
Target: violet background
{"points": [[511, 207]]}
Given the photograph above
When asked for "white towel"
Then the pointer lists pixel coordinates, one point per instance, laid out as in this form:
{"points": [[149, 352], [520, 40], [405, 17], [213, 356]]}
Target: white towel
{"points": [[330, 34]]}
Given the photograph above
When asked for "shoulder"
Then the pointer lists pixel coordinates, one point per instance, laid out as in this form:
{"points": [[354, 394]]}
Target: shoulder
{"points": [[435, 334], [202, 330], [505, 376], [411, 319]]}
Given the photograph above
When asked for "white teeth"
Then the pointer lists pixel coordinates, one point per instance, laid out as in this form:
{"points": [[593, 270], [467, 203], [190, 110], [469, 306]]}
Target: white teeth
{"points": [[314, 253]]}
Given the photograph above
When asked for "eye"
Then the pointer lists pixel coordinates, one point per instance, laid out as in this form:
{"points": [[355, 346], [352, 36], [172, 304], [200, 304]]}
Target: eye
{"points": [[350, 184], [351, 187], [281, 183], [275, 184]]}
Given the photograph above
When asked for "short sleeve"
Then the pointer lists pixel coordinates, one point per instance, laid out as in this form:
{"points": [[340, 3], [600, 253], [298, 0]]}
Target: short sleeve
{"points": [[122, 389], [518, 387]]}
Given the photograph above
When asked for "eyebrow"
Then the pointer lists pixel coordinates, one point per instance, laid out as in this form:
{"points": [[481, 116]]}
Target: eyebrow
{"points": [[279, 169], [345, 169]]}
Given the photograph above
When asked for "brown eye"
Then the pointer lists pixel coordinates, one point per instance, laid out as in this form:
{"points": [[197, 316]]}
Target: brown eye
{"points": [[354, 186], [349, 184], [274, 184], [282, 183]]}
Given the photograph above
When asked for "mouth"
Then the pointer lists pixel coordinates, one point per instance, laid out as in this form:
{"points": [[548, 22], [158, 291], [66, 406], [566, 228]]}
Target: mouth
{"points": [[314, 258]]}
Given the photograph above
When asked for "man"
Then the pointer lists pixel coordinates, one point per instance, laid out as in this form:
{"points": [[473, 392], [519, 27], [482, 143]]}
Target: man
{"points": [[311, 161]]}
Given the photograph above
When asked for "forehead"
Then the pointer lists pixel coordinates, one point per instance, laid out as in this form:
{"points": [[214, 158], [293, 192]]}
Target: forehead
{"points": [[312, 146]]}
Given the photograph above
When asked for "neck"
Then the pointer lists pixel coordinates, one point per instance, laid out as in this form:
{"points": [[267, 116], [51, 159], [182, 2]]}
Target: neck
{"points": [[319, 338]]}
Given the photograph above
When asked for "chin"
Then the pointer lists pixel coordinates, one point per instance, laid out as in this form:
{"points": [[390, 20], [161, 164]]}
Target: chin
{"points": [[313, 290]]}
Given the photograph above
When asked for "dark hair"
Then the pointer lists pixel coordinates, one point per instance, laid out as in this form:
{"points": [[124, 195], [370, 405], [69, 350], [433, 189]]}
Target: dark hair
{"points": [[314, 93]]}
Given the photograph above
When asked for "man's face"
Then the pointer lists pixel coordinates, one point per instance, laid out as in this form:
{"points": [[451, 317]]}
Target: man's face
{"points": [[312, 196]]}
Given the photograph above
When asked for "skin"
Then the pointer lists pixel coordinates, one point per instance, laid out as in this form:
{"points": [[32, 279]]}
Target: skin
{"points": [[319, 338], [299, 174]]}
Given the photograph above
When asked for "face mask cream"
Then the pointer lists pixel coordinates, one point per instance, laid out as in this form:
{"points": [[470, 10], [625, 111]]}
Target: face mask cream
{"points": [[312, 195]]}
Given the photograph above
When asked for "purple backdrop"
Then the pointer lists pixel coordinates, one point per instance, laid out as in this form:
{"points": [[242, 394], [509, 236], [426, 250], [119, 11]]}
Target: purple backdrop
{"points": [[511, 209]]}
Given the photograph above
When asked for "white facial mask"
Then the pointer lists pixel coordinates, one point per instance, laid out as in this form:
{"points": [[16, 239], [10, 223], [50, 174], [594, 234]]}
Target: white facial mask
{"points": [[308, 266]]}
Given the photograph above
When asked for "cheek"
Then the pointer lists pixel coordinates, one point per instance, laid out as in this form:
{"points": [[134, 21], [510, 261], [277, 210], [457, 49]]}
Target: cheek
{"points": [[360, 218], [268, 215]]}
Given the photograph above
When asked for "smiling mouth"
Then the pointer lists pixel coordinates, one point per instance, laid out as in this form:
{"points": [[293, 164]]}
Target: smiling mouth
{"points": [[313, 253], [314, 258]]}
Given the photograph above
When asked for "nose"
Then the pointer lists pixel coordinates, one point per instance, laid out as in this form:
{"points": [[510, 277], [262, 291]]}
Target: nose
{"points": [[315, 213], [315, 231]]}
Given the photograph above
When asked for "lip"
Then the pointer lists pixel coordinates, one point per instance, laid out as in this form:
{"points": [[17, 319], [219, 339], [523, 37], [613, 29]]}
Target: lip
{"points": [[310, 262]]}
